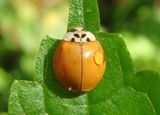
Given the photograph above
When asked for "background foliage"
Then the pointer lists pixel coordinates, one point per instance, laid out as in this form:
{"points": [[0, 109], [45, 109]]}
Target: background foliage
{"points": [[24, 23]]}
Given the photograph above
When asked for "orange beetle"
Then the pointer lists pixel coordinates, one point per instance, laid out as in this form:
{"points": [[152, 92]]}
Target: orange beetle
{"points": [[79, 61]]}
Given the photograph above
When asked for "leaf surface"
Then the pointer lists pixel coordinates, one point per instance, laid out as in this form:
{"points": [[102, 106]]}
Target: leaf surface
{"points": [[111, 96], [149, 83], [84, 13], [119, 93]]}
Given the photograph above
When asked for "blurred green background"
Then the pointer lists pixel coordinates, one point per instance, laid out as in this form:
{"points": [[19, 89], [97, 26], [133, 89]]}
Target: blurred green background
{"points": [[23, 23]]}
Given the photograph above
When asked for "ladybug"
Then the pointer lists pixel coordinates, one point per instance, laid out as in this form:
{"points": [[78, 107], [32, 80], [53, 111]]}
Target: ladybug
{"points": [[79, 61]]}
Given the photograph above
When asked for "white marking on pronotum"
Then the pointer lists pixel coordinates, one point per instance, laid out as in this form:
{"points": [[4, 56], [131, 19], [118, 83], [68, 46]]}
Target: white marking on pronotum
{"points": [[79, 35]]}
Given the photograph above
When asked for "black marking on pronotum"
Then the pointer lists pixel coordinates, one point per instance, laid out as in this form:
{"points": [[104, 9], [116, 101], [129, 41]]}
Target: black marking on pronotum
{"points": [[72, 40], [88, 40], [77, 35], [73, 30], [83, 35]]}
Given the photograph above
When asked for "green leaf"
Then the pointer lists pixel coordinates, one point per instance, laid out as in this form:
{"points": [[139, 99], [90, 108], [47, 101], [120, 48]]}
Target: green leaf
{"points": [[111, 96], [84, 13], [26, 98], [149, 83], [119, 92], [45, 46]]}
